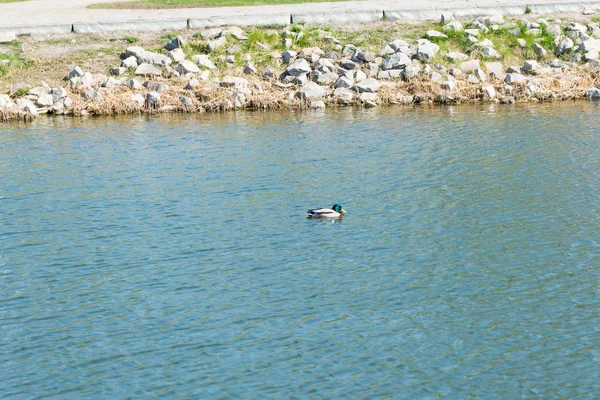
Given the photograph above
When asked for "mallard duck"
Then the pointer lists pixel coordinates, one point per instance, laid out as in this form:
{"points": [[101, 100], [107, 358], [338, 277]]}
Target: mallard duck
{"points": [[334, 212]]}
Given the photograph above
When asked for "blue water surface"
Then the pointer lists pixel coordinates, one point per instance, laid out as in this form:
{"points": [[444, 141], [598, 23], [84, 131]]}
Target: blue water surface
{"points": [[170, 256]]}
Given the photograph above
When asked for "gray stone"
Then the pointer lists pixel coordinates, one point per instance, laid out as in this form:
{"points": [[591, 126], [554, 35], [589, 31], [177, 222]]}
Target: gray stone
{"points": [[76, 72], [118, 71], [386, 51], [234, 31], [92, 95], [112, 82], [469, 66], [554, 30], [38, 91], [369, 85], [311, 90], [203, 60], [58, 94], [176, 55], [343, 82], [433, 34], [449, 84], [130, 62], [327, 78], [152, 99], [426, 51], [453, 26], [192, 84], [347, 63], [133, 84], [138, 98], [471, 40], [529, 66], [186, 101], [234, 82], [211, 33], [454, 56], [494, 69], [395, 61], [366, 97], [489, 92], [434, 76], [324, 65], [539, 50], [514, 32], [176, 43], [480, 74], [591, 55], [411, 71], [472, 32], [268, 73], [317, 105], [288, 55], [593, 93], [455, 72], [156, 86], [217, 43], [588, 45], [298, 67], [446, 17], [148, 69], [365, 56], [134, 51], [45, 100], [343, 95], [491, 53], [154, 58], [187, 67], [522, 43], [472, 79], [397, 43], [249, 68], [513, 78], [238, 99]]}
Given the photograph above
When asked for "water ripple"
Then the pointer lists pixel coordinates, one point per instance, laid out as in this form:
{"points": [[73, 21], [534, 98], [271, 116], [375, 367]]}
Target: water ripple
{"points": [[170, 257]]}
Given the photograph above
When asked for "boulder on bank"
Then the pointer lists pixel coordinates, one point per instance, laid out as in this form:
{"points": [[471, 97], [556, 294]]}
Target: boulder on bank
{"points": [[148, 69], [311, 90], [369, 85]]}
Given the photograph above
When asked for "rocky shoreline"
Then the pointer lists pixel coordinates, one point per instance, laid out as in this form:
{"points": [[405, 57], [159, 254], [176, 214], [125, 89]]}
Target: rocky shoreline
{"points": [[489, 59]]}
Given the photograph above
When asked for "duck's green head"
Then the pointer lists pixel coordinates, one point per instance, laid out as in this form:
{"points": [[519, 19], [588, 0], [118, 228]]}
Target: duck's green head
{"points": [[338, 208]]}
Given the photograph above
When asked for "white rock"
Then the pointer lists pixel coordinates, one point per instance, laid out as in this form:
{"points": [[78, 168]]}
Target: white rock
{"points": [[539, 50], [426, 51], [130, 62], [45, 100], [480, 74], [192, 84], [469, 66], [234, 31], [395, 61], [203, 60], [152, 99], [249, 68], [343, 95], [217, 43], [593, 93], [298, 67], [446, 17], [455, 26], [343, 82], [133, 84], [154, 58], [494, 69], [311, 90], [514, 78], [529, 66], [187, 67], [455, 56], [449, 84], [234, 82], [138, 98], [490, 52], [148, 69], [489, 91], [186, 101], [176, 55], [369, 85], [433, 34]]}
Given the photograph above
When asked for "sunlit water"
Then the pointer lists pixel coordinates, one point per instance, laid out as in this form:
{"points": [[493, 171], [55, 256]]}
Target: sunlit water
{"points": [[171, 256]]}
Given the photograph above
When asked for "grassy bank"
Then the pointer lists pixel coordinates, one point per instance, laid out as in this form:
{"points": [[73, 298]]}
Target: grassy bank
{"points": [[160, 4], [249, 53]]}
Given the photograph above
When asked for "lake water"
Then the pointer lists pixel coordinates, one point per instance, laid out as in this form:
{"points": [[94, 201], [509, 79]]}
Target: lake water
{"points": [[171, 257]]}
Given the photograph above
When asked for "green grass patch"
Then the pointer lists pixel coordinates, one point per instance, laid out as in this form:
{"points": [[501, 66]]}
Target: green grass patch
{"points": [[16, 62], [131, 39], [57, 41], [156, 4]]}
